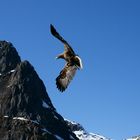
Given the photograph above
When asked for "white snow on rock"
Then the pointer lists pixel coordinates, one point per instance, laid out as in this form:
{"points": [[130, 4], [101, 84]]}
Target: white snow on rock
{"points": [[35, 121], [82, 135], [9, 72], [20, 118], [72, 122], [58, 137], [23, 119], [56, 117], [44, 104], [6, 116], [134, 138], [45, 130], [12, 71]]}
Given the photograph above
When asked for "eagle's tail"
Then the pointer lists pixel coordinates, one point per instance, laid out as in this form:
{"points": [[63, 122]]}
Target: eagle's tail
{"points": [[56, 34]]}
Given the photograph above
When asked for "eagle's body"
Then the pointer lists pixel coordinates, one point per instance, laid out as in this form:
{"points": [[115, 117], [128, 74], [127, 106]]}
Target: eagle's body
{"points": [[73, 62]]}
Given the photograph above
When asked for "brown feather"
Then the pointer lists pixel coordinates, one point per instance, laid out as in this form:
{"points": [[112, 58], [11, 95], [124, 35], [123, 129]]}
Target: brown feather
{"points": [[65, 76]]}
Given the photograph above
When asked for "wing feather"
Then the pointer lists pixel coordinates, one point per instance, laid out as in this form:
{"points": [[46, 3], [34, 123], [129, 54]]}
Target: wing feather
{"points": [[65, 77], [58, 36]]}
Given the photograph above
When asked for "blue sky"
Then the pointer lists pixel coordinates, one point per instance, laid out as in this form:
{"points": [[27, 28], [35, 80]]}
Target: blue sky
{"points": [[104, 96]]}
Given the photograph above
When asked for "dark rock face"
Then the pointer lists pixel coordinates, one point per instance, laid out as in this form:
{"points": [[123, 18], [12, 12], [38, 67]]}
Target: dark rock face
{"points": [[9, 57], [26, 111], [74, 126]]}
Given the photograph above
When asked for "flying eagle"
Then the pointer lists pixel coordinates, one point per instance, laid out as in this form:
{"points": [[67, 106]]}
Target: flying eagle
{"points": [[73, 62]]}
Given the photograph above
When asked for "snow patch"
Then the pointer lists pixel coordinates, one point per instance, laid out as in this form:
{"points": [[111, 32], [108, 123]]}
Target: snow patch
{"points": [[45, 130], [35, 121], [82, 135], [23, 119], [58, 137], [20, 118], [56, 117], [44, 104], [8, 86], [9, 72], [12, 71], [133, 138], [72, 122], [6, 116]]}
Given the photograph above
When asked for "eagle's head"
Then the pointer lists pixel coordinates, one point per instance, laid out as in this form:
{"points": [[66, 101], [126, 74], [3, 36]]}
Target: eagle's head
{"points": [[60, 56], [78, 62]]}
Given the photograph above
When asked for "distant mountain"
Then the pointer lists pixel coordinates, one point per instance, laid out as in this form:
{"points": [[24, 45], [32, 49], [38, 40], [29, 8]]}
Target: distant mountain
{"points": [[134, 138], [82, 134]]}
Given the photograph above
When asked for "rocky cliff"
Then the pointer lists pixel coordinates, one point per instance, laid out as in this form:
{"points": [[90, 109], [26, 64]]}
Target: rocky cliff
{"points": [[26, 111]]}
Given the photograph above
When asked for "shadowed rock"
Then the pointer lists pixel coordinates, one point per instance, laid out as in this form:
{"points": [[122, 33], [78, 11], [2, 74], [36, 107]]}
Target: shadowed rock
{"points": [[9, 57]]}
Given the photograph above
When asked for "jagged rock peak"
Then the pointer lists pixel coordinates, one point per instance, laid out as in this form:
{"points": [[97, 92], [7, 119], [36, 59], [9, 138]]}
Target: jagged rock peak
{"points": [[9, 57], [26, 111], [81, 133], [23, 93], [74, 125]]}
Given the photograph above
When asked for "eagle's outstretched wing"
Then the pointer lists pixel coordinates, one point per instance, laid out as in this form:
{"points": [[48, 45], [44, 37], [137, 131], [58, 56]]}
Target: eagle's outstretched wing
{"points": [[65, 76], [58, 36]]}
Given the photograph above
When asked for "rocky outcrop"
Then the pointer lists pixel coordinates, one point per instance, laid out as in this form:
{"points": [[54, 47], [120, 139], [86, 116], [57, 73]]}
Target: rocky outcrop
{"points": [[9, 57], [26, 111], [81, 133]]}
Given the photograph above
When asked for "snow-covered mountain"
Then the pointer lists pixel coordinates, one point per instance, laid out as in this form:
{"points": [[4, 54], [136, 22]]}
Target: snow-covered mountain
{"points": [[134, 138], [82, 134]]}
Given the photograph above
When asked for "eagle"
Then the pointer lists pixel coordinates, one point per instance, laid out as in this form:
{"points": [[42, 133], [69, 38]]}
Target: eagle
{"points": [[73, 62]]}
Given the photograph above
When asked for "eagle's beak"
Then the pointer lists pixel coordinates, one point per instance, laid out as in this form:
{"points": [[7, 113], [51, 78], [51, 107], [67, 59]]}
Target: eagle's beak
{"points": [[56, 57]]}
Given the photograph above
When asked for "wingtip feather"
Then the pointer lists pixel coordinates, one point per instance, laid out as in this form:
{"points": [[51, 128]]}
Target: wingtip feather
{"points": [[52, 29], [59, 86]]}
